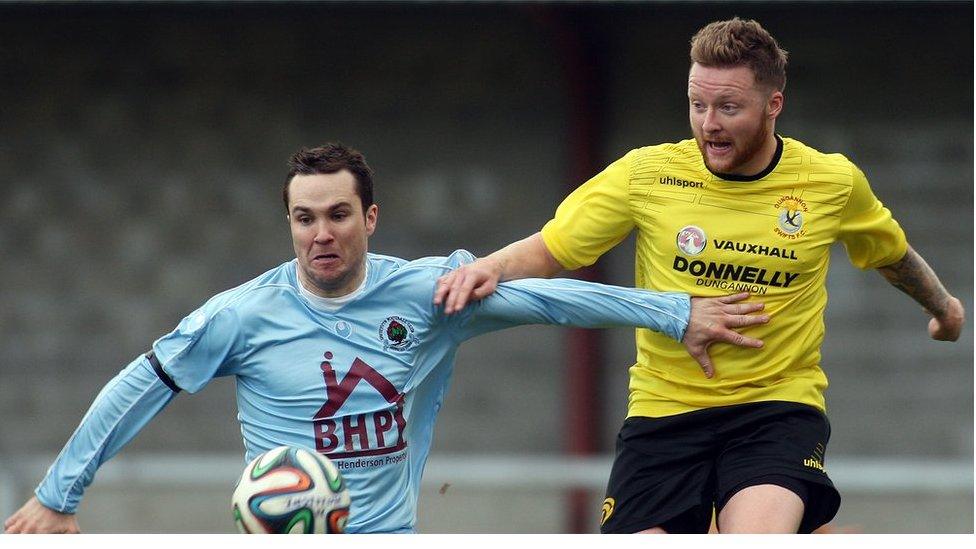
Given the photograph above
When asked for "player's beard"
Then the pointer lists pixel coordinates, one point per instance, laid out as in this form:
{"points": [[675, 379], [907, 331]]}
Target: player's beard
{"points": [[329, 284], [744, 150]]}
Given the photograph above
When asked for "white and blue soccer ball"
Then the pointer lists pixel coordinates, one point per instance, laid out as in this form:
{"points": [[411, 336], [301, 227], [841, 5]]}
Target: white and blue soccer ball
{"points": [[291, 490]]}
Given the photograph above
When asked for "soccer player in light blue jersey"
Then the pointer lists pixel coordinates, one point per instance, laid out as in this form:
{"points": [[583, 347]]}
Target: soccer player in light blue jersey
{"points": [[342, 351]]}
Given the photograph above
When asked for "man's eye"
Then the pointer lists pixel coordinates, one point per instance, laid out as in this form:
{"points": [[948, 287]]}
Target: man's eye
{"points": [[304, 220]]}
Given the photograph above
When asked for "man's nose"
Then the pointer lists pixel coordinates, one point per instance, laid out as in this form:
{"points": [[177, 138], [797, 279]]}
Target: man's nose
{"points": [[710, 122], [323, 233]]}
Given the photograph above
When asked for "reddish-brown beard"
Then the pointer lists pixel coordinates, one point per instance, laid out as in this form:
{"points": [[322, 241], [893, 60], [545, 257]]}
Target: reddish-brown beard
{"points": [[743, 155]]}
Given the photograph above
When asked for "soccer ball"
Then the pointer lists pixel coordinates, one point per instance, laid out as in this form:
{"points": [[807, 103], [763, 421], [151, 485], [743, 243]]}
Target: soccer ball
{"points": [[291, 490]]}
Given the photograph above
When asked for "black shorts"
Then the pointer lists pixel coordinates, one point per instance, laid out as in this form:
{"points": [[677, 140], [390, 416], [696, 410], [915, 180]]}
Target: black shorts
{"points": [[673, 471]]}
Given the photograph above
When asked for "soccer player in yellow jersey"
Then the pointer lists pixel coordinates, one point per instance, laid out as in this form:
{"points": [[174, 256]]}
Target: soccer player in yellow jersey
{"points": [[736, 208]]}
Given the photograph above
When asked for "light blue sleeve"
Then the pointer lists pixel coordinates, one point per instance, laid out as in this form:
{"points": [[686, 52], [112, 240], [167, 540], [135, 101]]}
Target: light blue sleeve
{"points": [[123, 407], [568, 302], [199, 349]]}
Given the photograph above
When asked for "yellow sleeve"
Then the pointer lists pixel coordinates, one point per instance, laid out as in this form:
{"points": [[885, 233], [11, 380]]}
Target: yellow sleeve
{"points": [[871, 235], [593, 219]]}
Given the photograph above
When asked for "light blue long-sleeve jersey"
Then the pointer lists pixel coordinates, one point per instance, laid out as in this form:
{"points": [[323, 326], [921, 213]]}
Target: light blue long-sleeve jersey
{"points": [[361, 384]]}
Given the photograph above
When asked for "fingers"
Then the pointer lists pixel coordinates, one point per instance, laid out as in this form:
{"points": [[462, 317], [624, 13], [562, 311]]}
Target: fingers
{"points": [[734, 297], [949, 326], [448, 289], [460, 291], [705, 362], [33, 527], [484, 290], [17, 525], [939, 332], [13, 524], [743, 308], [735, 338], [456, 289], [443, 285], [741, 321], [699, 352]]}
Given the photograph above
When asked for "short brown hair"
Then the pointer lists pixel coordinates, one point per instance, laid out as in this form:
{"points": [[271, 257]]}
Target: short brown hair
{"points": [[738, 42], [332, 158]]}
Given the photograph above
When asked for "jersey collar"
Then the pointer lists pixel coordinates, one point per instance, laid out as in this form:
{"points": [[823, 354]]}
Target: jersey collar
{"points": [[331, 304]]}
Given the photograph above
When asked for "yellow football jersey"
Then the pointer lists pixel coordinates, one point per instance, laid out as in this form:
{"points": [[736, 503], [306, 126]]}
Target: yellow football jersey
{"points": [[699, 233]]}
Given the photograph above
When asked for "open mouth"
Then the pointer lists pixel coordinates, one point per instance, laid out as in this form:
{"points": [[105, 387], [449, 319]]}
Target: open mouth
{"points": [[719, 147], [325, 258]]}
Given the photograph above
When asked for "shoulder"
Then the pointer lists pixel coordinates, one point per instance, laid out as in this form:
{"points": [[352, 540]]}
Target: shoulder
{"points": [[437, 264], [679, 148], [392, 269], [279, 280], [683, 154], [440, 264], [830, 172], [226, 313], [796, 151], [412, 283], [383, 265]]}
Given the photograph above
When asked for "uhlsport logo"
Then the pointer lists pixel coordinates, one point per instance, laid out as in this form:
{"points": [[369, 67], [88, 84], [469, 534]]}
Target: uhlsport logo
{"points": [[608, 505], [816, 461], [691, 240], [683, 183], [790, 218], [397, 333]]}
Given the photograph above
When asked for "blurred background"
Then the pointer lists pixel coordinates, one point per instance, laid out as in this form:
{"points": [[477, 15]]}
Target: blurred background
{"points": [[143, 147]]}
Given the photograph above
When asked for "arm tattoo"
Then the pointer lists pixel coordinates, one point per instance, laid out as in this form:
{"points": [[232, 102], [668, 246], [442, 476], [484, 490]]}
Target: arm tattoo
{"points": [[913, 276]]}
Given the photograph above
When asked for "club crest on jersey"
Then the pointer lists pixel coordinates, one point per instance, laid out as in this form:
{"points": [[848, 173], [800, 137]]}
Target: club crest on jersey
{"points": [[608, 505], [691, 240], [790, 218], [397, 333]]}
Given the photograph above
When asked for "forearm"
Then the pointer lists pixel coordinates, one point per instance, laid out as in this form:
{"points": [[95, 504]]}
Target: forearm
{"points": [[567, 302], [526, 258], [913, 276], [118, 413]]}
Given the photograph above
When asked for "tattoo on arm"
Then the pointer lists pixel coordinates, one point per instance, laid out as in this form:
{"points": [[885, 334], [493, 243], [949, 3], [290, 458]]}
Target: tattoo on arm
{"points": [[912, 275]]}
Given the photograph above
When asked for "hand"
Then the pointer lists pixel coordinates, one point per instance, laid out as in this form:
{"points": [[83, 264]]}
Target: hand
{"points": [[473, 281], [34, 518], [710, 322], [948, 326]]}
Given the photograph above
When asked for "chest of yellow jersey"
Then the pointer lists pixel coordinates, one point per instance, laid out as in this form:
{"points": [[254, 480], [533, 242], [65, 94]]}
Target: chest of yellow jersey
{"points": [[706, 236]]}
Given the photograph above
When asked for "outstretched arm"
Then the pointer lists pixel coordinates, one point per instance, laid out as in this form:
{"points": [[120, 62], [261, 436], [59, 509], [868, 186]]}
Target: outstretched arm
{"points": [[527, 258], [119, 412], [912, 275], [696, 322]]}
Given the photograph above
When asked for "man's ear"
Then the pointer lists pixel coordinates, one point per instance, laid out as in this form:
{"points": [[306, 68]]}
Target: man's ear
{"points": [[372, 213], [774, 105]]}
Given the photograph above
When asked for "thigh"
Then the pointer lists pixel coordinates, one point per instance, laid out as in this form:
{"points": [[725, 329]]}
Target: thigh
{"points": [[762, 509], [784, 445], [662, 476]]}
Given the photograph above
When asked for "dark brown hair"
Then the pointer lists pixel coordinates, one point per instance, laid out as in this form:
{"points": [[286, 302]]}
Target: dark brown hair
{"points": [[738, 42], [332, 158]]}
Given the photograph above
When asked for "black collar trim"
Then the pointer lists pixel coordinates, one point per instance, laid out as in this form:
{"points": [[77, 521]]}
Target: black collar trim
{"points": [[758, 176]]}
